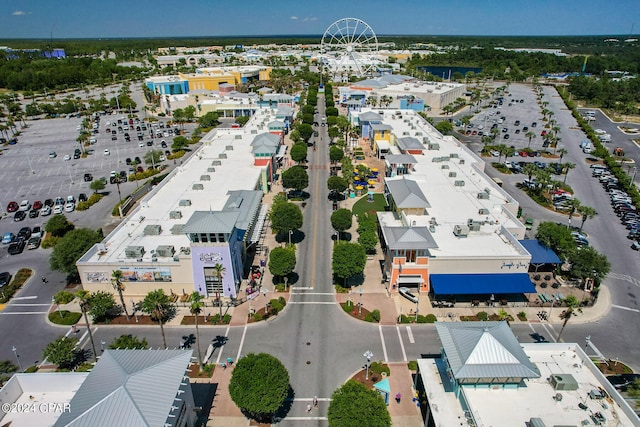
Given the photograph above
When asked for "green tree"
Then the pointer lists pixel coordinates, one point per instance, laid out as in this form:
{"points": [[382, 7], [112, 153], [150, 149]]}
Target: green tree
{"points": [[97, 185], [101, 305], [209, 120], [160, 308], [259, 385], [335, 154], [444, 127], [61, 352], [83, 297], [305, 130], [567, 167], [179, 142], [557, 237], [341, 220], [189, 113], [349, 260], [295, 177], [589, 263], [152, 157], [71, 247], [58, 225], [195, 308], [63, 297], [129, 342], [118, 285], [337, 184], [333, 132], [587, 212], [282, 261], [354, 404], [299, 152], [368, 239], [530, 135], [285, 217]]}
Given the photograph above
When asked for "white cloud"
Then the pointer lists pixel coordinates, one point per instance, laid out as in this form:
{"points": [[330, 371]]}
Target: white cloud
{"points": [[294, 18], [313, 19], [305, 19], [20, 13]]}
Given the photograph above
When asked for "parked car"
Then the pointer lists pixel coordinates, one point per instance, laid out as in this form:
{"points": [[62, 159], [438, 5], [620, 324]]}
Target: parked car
{"points": [[37, 205], [25, 205], [19, 216], [45, 211], [33, 243], [36, 231], [12, 207], [88, 177], [69, 207], [58, 209], [53, 155], [5, 279], [16, 247], [33, 213], [7, 238], [48, 202]]}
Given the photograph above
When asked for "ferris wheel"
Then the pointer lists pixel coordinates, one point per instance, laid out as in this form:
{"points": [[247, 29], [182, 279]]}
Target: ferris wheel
{"points": [[349, 45]]}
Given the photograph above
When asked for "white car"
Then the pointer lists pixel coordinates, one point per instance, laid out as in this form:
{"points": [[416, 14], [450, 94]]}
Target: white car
{"points": [[494, 153], [107, 152], [67, 157], [140, 144], [70, 207], [45, 211], [58, 209], [25, 205]]}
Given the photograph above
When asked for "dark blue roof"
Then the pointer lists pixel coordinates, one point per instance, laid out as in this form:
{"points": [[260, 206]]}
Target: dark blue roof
{"points": [[540, 254], [470, 284]]}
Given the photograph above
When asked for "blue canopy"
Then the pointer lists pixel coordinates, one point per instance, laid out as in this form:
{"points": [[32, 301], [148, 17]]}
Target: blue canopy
{"points": [[474, 284], [540, 254]]}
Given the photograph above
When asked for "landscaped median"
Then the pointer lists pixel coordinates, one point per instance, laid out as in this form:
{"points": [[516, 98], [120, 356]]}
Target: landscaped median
{"points": [[19, 279]]}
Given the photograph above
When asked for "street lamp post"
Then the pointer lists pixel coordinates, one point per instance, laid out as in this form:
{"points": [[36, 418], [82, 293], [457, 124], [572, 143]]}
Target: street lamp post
{"points": [[15, 352], [368, 355], [290, 233], [102, 343], [417, 308], [360, 302]]}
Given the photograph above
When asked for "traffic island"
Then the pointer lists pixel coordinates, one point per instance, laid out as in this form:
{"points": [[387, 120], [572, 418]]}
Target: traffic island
{"points": [[207, 320], [359, 312]]}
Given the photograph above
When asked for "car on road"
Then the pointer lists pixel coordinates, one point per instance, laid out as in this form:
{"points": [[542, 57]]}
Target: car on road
{"points": [[33, 243], [5, 278], [528, 224], [19, 216], [45, 211], [408, 295], [16, 247], [7, 238]]}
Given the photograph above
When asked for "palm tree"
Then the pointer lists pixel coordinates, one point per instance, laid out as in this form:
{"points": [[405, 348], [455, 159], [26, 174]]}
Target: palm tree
{"points": [[587, 212], [158, 306], [572, 303], [83, 298], [562, 152], [195, 308], [530, 135], [118, 285], [567, 167], [219, 270]]}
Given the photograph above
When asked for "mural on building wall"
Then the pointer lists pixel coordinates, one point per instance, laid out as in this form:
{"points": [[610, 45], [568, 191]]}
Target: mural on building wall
{"points": [[206, 257], [135, 274]]}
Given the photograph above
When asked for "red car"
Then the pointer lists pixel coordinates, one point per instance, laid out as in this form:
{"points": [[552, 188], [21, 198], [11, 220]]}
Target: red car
{"points": [[12, 207], [543, 133], [37, 205]]}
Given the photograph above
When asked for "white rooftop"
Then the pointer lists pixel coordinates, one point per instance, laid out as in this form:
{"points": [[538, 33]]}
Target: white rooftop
{"points": [[453, 181], [421, 88], [205, 168], [516, 406]]}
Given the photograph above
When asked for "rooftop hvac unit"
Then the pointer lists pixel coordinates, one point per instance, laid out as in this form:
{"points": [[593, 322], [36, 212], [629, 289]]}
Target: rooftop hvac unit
{"points": [[433, 221], [418, 133], [434, 146], [444, 167], [563, 382], [152, 230], [405, 133], [216, 163], [101, 248], [229, 147], [459, 183], [176, 230], [460, 231], [175, 214], [452, 174], [461, 161], [453, 155], [165, 251], [197, 186], [154, 259], [211, 170], [238, 137], [205, 177], [483, 195], [473, 225], [254, 131], [134, 251], [483, 211], [222, 155], [432, 228]]}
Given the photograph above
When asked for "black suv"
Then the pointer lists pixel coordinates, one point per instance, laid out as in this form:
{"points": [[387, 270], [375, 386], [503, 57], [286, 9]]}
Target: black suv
{"points": [[5, 278], [88, 177], [16, 248]]}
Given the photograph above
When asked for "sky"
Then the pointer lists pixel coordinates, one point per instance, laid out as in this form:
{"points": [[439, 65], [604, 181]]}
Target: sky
{"points": [[198, 18]]}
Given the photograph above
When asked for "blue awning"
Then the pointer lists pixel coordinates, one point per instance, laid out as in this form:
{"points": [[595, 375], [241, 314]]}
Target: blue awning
{"points": [[474, 284], [540, 254]]}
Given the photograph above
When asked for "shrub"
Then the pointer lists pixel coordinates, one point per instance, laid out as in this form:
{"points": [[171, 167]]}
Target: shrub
{"points": [[422, 319], [374, 316], [31, 369], [49, 242], [143, 175], [341, 290], [522, 316], [482, 315], [258, 317], [280, 287], [406, 319], [413, 365], [208, 369], [93, 199], [85, 367], [431, 318], [176, 155], [18, 280], [226, 319], [347, 307], [379, 368], [64, 317]]}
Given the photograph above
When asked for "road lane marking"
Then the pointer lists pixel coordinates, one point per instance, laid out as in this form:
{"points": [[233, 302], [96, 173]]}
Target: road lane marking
{"points": [[306, 418], [315, 233], [384, 346], [551, 335], [24, 312], [226, 334], [625, 308], [410, 333], [244, 333], [30, 305], [317, 293], [404, 353], [312, 302], [21, 298]]}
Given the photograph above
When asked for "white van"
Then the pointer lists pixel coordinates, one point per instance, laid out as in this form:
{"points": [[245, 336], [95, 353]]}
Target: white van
{"points": [[587, 148]]}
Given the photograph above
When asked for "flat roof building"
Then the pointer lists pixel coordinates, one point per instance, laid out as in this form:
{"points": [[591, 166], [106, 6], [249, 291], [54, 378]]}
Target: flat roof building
{"points": [[485, 377], [193, 231]]}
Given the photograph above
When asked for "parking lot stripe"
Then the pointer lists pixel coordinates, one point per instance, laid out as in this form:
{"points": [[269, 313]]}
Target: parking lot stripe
{"points": [[404, 353], [384, 346]]}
